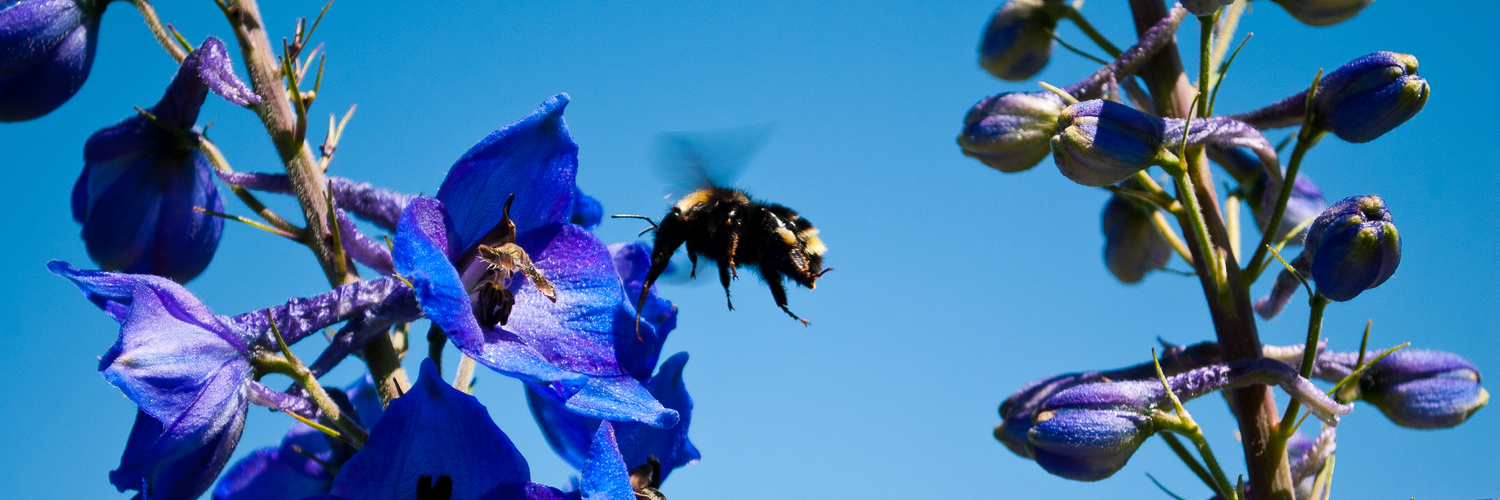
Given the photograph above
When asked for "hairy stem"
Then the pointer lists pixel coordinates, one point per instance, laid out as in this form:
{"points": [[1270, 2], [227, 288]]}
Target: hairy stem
{"points": [[1234, 322], [163, 37], [308, 181]]}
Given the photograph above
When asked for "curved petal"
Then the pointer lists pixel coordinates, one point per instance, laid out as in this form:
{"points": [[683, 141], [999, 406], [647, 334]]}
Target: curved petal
{"points": [[109, 291], [46, 52], [534, 158], [181, 460], [434, 430], [587, 211], [570, 433], [605, 476], [632, 261]]}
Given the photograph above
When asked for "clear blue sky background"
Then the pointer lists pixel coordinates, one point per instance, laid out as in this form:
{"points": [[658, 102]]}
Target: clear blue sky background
{"points": [[956, 284]]}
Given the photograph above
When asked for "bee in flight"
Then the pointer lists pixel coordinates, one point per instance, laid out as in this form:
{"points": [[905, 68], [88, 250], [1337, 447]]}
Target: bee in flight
{"points": [[725, 224]]}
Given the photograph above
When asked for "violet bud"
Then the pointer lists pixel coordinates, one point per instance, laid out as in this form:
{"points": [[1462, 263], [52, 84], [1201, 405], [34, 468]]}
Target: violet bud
{"points": [[143, 177], [1017, 42], [1011, 131], [1354, 247], [46, 50], [1322, 12], [1371, 95], [1424, 389], [1305, 203], [1132, 244], [1089, 432], [1100, 142]]}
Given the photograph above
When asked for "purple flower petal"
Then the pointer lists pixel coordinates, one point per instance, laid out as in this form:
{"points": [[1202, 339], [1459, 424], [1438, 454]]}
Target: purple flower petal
{"points": [[434, 430], [534, 158], [605, 476]]}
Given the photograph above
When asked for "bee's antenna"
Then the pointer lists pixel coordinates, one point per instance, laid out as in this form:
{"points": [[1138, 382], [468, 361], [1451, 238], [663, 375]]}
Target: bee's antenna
{"points": [[632, 216]]}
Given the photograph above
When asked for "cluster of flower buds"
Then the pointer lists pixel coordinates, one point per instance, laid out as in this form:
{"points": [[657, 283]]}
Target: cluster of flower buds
{"points": [[1085, 426], [1010, 131]]}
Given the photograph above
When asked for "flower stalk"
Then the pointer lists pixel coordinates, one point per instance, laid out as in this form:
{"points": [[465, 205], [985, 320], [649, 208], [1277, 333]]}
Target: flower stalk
{"points": [[307, 179]]}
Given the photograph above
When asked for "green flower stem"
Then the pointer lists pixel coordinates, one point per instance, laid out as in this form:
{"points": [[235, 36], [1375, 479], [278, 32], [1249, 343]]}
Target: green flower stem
{"points": [[1183, 423], [1205, 60], [307, 179], [287, 364], [1307, 137], [163, 37], [1188, 458], [1162, 226], [1087, 28], [1213, 264], [1309, 356], [1232, 223]]}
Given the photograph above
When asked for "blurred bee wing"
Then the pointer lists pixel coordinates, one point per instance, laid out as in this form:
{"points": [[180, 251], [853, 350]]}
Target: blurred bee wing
{"points": [[689, 161]]}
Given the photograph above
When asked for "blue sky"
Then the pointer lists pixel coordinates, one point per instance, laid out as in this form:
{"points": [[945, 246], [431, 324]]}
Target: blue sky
{"points": [[955, 284]]}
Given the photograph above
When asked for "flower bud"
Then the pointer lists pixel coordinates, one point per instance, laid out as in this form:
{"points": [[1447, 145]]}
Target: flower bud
{"points": [[1099, 142], [1424, 389], [1354, 247], [1089, 432], [46, 50], [1010, 131], [1322, 12], [1132, 245], [1371, 95], [1017, 42]]}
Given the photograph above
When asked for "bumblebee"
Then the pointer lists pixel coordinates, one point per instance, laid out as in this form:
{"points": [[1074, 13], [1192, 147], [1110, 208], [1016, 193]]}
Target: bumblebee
{"points": [[734, 230]]}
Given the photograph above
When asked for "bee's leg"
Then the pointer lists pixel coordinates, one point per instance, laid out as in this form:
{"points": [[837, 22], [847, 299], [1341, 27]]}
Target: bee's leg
{"points": [[778, 291], [692, 257], [724, 278], [734, 247]]}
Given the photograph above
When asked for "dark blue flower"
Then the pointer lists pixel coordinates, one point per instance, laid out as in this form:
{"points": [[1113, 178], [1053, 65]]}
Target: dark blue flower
{"points": [[1100, 142], [187, 370], [1011, 131], [577, 340], [142, 178], [1354, 247], [1132, 244], [1371, 95], [436, 437], [1322, 12], [1017, 42], [46, 50], [1424, 389]]}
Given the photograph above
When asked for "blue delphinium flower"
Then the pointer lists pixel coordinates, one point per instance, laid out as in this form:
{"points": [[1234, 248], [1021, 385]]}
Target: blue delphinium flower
{"points": [[187, 370], [437, 440], [142, 178], [1359, 102], [1100, 142], [572, 336], [1011, 131], [1017, 42], [1424, 389], [1354, 247], [46, 50]]}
